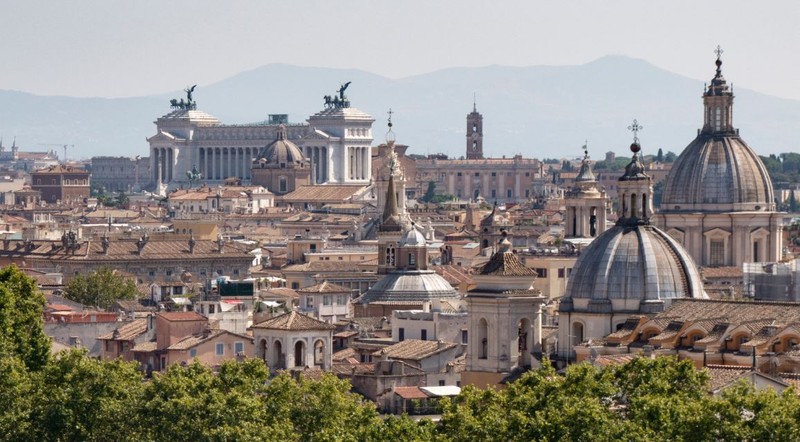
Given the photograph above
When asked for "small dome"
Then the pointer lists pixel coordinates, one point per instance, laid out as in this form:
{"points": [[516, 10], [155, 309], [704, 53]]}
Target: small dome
{"points": [[632, 268], [714, 170], [413, 238], [281, 151]]}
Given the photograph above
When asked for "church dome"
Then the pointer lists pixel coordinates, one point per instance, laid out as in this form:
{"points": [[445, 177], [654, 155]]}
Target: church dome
{"points": [[409, 287], [640, 263], [413, 238], [718, 170], [282, 151], [634, 266]]}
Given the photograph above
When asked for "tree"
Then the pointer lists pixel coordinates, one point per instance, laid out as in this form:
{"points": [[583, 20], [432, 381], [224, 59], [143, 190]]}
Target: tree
{"points": [[670, 157], [21, 319], [78, 398], [123, 202], [660, 155], [430, 192], [101, 288]]}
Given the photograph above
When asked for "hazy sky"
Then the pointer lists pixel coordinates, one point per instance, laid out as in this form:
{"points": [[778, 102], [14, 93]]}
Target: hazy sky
{"points": [[137, 47]]}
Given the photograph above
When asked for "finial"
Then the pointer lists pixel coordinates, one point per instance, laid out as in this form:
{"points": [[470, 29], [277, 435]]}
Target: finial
{"points": [[585, 148], [389, 134], [719, 52], [474, 102], [635, 128]]}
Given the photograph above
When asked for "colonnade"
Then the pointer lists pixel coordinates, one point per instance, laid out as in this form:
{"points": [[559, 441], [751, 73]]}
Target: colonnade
{"points": [[162, 161], [319, 164], [218, 163], [358, 162]]}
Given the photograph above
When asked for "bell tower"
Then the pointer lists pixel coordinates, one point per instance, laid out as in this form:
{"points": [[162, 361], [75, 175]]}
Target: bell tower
{"points": [[474, 134]]}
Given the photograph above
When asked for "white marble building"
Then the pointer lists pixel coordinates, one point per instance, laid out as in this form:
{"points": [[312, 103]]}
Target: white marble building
{"points": [[337, 141]]}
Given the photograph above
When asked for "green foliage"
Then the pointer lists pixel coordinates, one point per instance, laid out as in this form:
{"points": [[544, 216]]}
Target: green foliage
{"points": [[660, 156], [21, 324], [430, 192], [100, 288], [77, 398]]}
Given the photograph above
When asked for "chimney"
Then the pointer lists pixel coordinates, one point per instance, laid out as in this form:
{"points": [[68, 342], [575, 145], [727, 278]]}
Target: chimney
{"points": [[141, 243], [221, 244], [104, 243], [192, 243]]}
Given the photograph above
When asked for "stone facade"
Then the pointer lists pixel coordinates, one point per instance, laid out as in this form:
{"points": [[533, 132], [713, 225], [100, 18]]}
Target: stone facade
{"points": [[121, 174], [336, 141]]}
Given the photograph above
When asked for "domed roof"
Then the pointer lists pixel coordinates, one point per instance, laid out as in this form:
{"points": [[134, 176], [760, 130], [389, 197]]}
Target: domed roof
{"points": [[409, 287], [281, 151], [413, 238], [717, 169], [633, 262]]}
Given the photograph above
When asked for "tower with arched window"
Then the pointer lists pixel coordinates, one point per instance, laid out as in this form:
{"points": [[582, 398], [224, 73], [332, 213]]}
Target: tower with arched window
{"points": [[505, 326]]}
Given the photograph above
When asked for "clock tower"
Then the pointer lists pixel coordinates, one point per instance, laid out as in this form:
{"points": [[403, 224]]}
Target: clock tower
{"points": [[474, 134]]}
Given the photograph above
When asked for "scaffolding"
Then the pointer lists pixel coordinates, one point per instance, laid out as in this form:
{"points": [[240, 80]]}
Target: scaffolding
{"points": [[774, 281]]}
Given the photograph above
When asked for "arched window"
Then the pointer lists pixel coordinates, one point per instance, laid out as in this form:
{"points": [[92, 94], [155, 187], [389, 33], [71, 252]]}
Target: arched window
{"points": [[299, 354], [319, 353], [717, 118], [483, 339], [390, 261]]}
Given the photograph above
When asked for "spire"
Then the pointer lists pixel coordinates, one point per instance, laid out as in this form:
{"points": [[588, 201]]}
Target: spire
{"points": [[474, 102], [390, 209], [585, 174], [718, 84]]}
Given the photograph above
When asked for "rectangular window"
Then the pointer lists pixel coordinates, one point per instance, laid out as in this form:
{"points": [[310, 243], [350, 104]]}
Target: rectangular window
{"points": [[494, 193], [309, 302], [561, 273], [168, 272], [238, 347], [441, 382], [494, 173], [717, 252], [542, 273], [401, 334], [295, 285], [458, 174], [326, 300], [464, 336], [423, 334], [477, 174], [220, 349]]}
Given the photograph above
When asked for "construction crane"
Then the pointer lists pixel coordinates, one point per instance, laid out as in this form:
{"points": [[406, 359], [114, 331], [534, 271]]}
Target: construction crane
{"points": [[64, 146]]}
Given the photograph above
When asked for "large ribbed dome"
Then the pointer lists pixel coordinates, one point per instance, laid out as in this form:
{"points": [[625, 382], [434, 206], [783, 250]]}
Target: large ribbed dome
{"points": [[718, 169], [632, 263], [281, 152], [409, 287]]}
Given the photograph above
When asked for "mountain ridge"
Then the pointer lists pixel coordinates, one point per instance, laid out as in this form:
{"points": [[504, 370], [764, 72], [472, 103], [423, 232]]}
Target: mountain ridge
{"points": [[538, 111]]}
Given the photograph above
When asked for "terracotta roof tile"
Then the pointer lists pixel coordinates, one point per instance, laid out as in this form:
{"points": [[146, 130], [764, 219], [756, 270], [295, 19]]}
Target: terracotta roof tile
{"points": [[325, 287], [410, 393], [127, 332], [506, 264], [294, 321], [415, 349], [182, 316]]}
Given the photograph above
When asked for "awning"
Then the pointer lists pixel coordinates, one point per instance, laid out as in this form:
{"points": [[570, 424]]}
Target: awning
{"points": [[447, 390]]}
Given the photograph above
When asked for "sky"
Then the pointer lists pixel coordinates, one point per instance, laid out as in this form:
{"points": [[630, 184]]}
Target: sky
{"points": [[112, 48]]}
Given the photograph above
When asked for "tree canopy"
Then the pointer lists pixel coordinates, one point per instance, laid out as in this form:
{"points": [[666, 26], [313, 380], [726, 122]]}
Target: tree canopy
{"points": [[74, 397], [101, 288], [21, 324]]}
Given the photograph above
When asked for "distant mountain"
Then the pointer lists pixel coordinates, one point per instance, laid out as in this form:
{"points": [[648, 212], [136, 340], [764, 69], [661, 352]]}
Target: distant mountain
{"points": [[538, 111]]}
